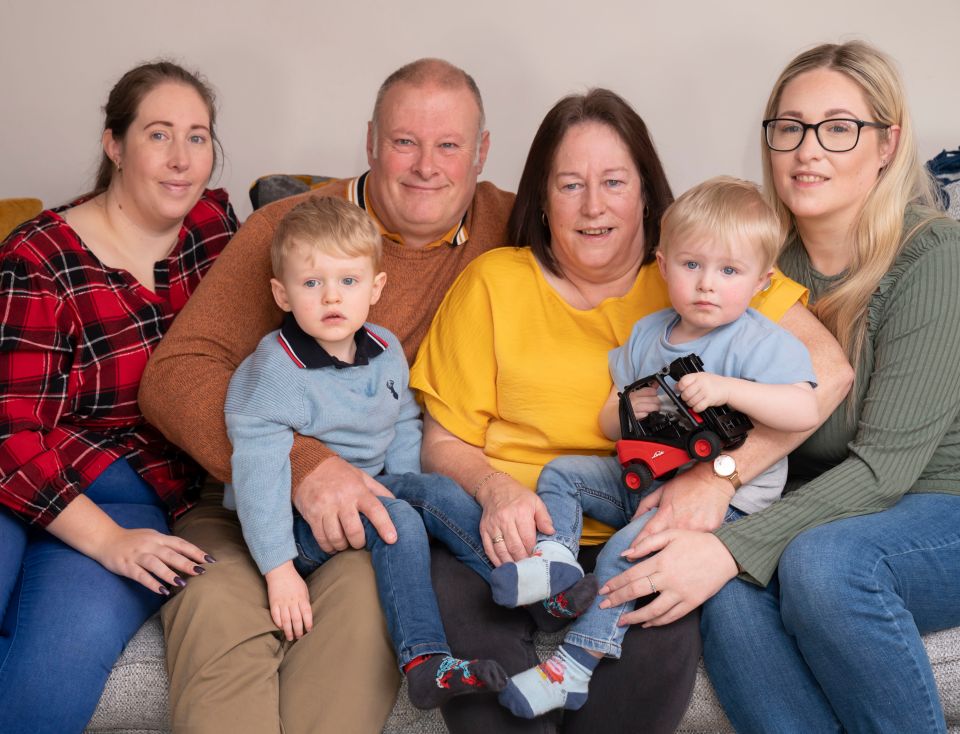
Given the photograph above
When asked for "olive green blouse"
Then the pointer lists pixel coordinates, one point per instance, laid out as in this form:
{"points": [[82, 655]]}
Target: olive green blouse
{"points": [[904, 431]]}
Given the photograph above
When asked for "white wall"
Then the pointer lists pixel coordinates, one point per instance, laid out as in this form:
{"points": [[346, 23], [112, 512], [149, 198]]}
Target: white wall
{"points": [[296, 78]]}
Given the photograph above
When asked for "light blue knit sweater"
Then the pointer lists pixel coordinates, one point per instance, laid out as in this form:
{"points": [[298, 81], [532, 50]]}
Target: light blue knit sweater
{"points": [[364, 412]]}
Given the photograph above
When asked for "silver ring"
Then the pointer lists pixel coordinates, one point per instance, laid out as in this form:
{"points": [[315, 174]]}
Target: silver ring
{"points": [[497, 539], [653, 588]]}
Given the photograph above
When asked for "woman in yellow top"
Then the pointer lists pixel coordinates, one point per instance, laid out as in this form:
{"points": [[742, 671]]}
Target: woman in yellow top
{"points": [[513, 373]]}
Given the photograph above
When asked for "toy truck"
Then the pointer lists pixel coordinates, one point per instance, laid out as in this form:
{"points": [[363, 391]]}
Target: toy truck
{"points": [[656, 446]]}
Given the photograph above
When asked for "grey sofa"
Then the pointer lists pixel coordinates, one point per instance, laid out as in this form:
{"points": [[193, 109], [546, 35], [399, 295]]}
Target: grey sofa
{"points": [[135, 699]]}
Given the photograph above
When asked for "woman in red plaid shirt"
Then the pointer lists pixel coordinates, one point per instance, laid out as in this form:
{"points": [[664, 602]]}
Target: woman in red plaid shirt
{"points": [[86, 485]]}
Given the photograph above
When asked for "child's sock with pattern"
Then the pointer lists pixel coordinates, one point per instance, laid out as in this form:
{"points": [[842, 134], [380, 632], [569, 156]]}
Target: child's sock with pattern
{"points": [[560, 681], [551, 569], [434, 679], [555, 613]]}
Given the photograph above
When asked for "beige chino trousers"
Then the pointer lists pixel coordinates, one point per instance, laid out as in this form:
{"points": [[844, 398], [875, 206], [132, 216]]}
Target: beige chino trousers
{"points": [[230, 668]]}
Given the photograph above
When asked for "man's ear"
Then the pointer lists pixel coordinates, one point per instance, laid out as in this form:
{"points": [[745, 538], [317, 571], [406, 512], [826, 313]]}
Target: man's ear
{"points": [[280, 295], [371, 142], [378, 282], [484, 149]]}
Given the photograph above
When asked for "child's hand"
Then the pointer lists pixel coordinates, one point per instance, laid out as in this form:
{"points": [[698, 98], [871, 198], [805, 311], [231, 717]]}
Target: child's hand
{"points": [[644, 402], [702, 390], [289, 601]]}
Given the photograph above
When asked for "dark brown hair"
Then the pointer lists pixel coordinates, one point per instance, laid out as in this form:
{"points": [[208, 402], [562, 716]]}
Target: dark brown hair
{"points": [[127, 94], [527, 226]]}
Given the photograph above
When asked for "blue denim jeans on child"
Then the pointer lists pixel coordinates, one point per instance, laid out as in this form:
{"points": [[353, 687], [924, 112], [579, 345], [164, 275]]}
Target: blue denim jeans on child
{"points": [[403, 568], [834, 639], [64, 618], [574, 486]]}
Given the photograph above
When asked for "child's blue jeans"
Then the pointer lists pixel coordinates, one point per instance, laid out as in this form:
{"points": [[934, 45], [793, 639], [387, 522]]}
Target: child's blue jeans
{"points": [[403, 568], [574, 486]]}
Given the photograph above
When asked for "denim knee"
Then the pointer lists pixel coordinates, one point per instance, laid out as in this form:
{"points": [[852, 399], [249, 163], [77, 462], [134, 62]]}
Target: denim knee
{"points": [[819, 571], [405, 518], [562, 469], [610, 562]]}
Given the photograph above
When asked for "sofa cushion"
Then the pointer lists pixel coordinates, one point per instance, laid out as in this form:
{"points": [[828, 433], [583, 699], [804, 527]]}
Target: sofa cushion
{"points": [[17, 211], [267, 189]]}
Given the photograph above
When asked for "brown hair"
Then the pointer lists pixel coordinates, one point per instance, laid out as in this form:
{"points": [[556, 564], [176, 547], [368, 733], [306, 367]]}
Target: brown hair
{"points": [[730, 210], [329, 225], [527, 227], [124, 102]]}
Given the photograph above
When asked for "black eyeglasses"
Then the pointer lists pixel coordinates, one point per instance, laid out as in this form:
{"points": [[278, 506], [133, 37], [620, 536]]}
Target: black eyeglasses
{"points": [[837, 135]]}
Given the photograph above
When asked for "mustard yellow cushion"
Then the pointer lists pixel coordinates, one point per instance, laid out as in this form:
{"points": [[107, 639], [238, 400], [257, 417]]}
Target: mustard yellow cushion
{"points": [[17, 211]]}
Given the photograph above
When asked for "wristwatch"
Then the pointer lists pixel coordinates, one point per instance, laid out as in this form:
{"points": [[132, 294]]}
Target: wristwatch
{"points": [[725, 467]]}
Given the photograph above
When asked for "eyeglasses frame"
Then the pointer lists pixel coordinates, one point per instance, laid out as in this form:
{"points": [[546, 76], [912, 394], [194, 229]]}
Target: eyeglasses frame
{"points": [[815, 126]]}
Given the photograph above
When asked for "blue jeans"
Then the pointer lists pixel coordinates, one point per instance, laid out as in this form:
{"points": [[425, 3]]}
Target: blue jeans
{"points": [[403, 568], [65, 618], [833, 642], [574, 486]]}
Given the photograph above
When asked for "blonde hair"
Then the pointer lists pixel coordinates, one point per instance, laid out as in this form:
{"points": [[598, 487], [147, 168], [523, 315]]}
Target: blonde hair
{"points": [[329, 225], [729, 209], [878, 235]]}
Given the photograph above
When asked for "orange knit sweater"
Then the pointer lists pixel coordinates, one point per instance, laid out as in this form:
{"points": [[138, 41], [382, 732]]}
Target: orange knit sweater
{"points": [[185, 384]]}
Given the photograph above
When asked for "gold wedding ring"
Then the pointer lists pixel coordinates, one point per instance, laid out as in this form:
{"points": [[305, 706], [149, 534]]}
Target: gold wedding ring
{"points": [[497, 539]]}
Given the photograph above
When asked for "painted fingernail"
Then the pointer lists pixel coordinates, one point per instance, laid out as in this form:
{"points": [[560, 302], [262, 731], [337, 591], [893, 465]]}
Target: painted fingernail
{"points": [[199, 570], [179, 581], [164, 590], [209, 559]]}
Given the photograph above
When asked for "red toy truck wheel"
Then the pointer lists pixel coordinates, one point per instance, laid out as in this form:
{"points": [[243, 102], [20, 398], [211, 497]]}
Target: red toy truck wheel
{"points": [[636, 477], [703, 445]]}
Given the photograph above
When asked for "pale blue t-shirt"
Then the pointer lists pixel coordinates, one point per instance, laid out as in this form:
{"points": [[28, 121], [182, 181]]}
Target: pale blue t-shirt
{"points": [[750, 348]]}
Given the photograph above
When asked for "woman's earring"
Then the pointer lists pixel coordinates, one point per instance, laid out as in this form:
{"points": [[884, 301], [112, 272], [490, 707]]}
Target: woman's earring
{"points": [[543, 218], [119, 167]]}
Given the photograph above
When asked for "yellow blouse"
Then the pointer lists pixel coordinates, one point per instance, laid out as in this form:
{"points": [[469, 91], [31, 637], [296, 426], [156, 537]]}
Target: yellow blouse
{"points": [[511, 367]]}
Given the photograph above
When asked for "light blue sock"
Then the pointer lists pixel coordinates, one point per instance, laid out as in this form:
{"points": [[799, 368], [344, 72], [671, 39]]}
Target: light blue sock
{"points": [[551, 569], [561, 681]]}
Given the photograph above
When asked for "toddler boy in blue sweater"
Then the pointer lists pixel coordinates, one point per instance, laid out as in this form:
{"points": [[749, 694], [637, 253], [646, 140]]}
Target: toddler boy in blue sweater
{"points": [[328, 374]]}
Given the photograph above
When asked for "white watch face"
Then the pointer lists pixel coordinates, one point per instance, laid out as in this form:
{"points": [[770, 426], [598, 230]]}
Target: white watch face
{"points": [[724, 465]]}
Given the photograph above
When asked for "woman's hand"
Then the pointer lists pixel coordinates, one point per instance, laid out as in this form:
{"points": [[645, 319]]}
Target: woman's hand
{"points": [[512, 515], [689, 568], [692, 500], [142, 554]]}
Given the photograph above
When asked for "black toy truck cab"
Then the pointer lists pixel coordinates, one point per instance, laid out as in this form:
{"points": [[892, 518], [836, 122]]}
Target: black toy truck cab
{"points": [[656, 446]]}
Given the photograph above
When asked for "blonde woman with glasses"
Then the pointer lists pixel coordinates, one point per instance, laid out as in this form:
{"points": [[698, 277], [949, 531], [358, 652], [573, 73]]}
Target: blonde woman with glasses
{"points": [[820, 631]]}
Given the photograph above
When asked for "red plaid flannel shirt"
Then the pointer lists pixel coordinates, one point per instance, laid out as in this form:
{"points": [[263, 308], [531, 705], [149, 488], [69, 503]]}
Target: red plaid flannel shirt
{"points": [[74, 339]]}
